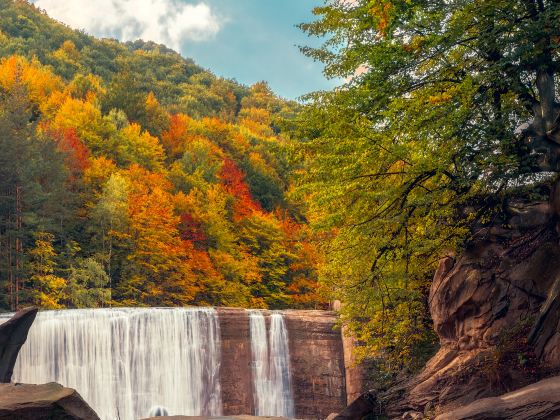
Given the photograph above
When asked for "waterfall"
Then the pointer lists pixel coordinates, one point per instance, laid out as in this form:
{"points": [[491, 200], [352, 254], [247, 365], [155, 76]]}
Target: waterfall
{"points": [[272, 386], [124, 362]]}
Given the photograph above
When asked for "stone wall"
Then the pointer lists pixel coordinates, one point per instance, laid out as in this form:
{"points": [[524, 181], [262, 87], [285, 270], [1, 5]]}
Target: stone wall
{"points": [[316, 356], [235, 370]]}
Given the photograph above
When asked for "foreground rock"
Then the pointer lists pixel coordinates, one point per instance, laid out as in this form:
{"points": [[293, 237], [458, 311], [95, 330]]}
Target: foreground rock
{"points": [[13, 334], [217, 418], [42, 402], [362, 406], [538, 401]]}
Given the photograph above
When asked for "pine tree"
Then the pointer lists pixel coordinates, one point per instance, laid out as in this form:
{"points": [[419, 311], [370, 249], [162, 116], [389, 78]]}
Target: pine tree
{"points": [[32, 189]]}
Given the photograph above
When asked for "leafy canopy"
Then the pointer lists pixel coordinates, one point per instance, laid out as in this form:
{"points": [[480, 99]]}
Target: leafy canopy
{"points": [[448, 105]]}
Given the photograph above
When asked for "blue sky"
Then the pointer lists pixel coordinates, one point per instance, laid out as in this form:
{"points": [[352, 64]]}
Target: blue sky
{"points": [[247, 40], [259, 42]]}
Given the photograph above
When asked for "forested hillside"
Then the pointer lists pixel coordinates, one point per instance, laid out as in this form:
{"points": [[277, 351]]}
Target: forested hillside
{"points": [[131, 176]]}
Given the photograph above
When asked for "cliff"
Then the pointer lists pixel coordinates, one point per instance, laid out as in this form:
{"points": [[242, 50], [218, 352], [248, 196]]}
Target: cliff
{"points": [[495, 310]]}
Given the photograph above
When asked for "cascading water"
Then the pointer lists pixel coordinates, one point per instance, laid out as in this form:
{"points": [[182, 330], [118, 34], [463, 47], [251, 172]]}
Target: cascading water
{"points": [[271, 366], [126, 361]]}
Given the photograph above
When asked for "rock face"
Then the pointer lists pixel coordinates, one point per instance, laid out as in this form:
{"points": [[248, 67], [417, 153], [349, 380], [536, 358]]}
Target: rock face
{"points": [[13, 334], [216, 418], [42, 402], [361, 407], [538, 401], [235, 369], [316, 357], [505, 278], [355, 372]]}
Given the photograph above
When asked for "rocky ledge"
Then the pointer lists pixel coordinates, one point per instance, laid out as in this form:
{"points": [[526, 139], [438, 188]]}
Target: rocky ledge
{"points": [[42, 402], [13, 334], [537, 401], [217, 418]]}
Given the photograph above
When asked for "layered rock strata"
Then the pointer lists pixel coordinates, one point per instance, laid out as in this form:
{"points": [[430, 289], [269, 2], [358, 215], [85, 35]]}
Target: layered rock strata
{"points": [[537, 401], [316, 358], [507, 280], [13, 334], [42, 402]]}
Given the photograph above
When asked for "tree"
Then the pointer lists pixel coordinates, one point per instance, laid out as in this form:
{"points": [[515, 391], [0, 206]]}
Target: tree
{"points": [[46, 289], [87, 285], [156, 119], [448, 106], [126, 92], [109, 219], [33, 181], [234, 181], [158, 267]]}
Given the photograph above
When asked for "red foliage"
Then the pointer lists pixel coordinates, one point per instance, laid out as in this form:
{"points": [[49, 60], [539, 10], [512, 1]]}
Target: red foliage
{"points": [[191, 230], [234, 181], [76, 152]]}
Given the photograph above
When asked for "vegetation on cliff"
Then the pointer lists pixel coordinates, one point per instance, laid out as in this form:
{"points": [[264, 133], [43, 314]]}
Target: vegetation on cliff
{"points": [[131, 176], [448, 107]]}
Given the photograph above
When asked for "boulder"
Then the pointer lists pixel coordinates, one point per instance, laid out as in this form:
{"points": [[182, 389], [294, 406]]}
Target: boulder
{"points": [[42, 402], [13, 334], [216, 418], [537, 401], [363, 406]]}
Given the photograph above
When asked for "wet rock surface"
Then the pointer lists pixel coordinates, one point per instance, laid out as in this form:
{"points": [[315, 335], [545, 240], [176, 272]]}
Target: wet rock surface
{"points": [[316, 357], [235, 369], [42, 402], [13, 334]]}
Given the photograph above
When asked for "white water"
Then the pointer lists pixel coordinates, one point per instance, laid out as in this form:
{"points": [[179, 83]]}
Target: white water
{"points": [[272, 388], [124, 362]]}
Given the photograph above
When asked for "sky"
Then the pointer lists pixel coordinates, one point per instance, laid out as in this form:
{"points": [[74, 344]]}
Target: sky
{"points": [[246, 40]]}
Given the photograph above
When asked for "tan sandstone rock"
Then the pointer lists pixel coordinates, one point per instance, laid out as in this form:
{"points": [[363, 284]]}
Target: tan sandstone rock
{"points": [[537, 401], [504, 277], [42, 402]]}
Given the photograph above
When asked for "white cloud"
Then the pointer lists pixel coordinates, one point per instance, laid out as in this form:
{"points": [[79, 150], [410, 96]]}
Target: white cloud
{"points": [[170, 22]]}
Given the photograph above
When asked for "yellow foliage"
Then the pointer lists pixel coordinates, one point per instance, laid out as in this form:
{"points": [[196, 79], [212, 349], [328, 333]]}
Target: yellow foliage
{"points": [[83, 116], [39, 81], [67, 52], [143, 147]]}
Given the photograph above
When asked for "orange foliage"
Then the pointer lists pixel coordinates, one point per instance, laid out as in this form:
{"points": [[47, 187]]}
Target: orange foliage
{"points": [[77, 154], [234, 181], [39, 81], [158, 249], [176, 137]]}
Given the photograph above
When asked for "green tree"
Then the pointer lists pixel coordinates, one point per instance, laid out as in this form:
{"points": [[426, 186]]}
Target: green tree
{"points": [[447, 107], [87, 285], [32, 189]]}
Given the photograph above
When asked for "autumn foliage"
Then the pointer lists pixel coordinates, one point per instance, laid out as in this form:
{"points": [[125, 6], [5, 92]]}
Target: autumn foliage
{"points": [[160, 208]]}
